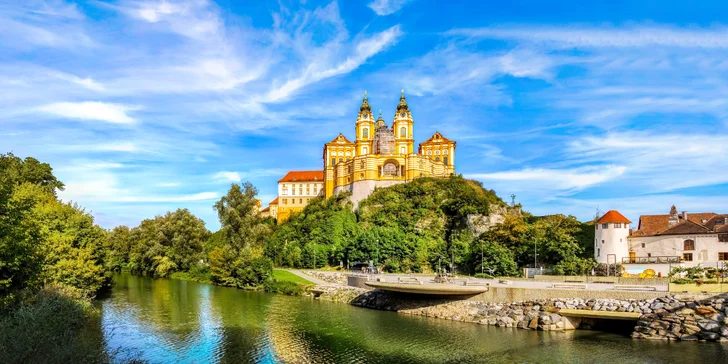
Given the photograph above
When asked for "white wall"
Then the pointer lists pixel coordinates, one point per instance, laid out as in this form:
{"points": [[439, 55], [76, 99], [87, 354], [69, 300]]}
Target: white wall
{"points": [[615, 242], [706, 250]]}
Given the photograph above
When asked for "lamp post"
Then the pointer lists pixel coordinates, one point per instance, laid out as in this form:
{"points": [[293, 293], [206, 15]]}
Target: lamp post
{"points": [[376, 262], [482, 261]]}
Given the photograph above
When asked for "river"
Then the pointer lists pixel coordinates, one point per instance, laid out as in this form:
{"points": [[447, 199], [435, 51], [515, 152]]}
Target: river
{"points": [[165, 320]]}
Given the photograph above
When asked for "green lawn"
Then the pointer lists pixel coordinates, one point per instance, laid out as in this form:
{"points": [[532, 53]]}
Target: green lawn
{"points": [[285, 276]]}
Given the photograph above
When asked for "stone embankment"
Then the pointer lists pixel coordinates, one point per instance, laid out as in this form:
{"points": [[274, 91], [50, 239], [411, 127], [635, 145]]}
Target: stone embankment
{"points": [[330, 277], [665, 318]]}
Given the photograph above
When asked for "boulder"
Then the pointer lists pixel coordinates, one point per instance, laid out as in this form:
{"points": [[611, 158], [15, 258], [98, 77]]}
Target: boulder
{"points": [[708, 325]]}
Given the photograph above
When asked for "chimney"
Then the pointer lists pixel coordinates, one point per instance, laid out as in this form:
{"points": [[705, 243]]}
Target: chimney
{"points": [[685, 215]]}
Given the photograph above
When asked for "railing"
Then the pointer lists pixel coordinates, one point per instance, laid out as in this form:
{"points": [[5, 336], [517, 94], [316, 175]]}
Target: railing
{"points": [[652, 260]]}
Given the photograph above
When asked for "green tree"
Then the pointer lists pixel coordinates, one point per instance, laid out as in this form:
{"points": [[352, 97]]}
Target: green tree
{"points": [[15, 171], [118, 247], [492, 255], [240, 261]]}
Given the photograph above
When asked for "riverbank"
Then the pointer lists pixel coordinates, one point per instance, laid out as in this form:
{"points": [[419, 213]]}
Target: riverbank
{"points": [[670, 317]]}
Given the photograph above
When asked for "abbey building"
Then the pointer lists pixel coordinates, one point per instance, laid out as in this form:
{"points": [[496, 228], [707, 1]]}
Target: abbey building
{"points": [[380, 156]]}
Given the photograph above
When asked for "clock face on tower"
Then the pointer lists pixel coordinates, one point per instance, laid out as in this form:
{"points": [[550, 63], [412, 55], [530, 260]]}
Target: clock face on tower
{"points": [[401, 114], [366, 116]]}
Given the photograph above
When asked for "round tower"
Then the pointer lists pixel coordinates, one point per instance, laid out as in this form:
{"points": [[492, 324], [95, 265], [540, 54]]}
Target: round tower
{"points": [[611, 233]]}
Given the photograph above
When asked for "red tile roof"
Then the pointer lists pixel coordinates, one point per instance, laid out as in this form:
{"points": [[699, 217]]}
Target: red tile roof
{"points": [[303, 176], [686, 227], [660, 224], [613, 216], [274, 202]]}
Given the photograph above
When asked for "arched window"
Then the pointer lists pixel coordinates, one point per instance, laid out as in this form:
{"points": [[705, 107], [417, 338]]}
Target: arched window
{"points": [[364, 150], [341, 154], [341, 160], [365, 133], [437, 159], [437, 152], [444, 160], [429, 152], [403, 132], [444, 152], [348, 154], [689, 244], [402, 150], [333, 161]]}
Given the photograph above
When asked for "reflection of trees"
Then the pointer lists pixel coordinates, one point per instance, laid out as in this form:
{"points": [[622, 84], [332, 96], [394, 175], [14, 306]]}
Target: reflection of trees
{"points": [[170, 307], [241, 316]]}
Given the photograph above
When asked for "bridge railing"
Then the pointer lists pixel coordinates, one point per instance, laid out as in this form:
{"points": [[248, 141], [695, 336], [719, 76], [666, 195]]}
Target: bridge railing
{"points": [[652, 260]]}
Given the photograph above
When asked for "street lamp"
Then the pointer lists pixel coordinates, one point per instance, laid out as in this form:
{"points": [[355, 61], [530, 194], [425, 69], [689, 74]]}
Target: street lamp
{"points": [[482, 260]]}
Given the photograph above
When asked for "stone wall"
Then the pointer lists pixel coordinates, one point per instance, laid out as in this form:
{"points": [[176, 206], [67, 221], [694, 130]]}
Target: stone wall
{"points": [[672, 317], [686, 319]]}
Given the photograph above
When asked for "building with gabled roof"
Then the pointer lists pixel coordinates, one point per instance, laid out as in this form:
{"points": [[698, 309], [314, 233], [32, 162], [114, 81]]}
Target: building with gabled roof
{"points": [[662, 241], [295, 191]]}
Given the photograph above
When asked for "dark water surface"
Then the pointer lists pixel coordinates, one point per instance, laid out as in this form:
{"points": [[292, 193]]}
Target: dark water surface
{"points": [[162, 320]]}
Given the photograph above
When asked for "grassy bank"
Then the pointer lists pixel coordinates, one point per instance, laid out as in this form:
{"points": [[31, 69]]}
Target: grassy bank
{"points": [[285, 282]]}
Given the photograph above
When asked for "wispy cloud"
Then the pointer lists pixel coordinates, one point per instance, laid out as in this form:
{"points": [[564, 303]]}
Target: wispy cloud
{"points": [[386, 7], [92, 110], [579, 36], [229, 176]]}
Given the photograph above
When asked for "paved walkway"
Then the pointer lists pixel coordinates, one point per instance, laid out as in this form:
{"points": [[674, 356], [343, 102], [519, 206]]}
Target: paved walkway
{"points": [[303, 275]]}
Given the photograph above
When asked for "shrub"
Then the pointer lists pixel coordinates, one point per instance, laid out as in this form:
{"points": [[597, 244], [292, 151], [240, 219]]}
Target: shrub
{"points": [[483, 275], [284, 287], [53, 326]]}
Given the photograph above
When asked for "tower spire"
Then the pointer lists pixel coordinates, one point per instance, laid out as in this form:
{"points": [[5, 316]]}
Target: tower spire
{"points": [[402, 103], [365, 103]]}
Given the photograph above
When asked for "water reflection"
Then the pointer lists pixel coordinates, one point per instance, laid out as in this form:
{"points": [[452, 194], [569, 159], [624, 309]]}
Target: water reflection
{"points": [[177, 321]]}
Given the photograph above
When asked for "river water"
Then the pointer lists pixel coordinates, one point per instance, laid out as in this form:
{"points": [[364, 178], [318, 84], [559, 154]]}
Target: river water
{"points": [[164, 320]]}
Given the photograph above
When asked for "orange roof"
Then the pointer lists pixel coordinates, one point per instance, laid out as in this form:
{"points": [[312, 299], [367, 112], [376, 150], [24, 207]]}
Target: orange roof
{"points": [[613, 216], [659, 224], [265, 209], [303, 176], [274, 202]]}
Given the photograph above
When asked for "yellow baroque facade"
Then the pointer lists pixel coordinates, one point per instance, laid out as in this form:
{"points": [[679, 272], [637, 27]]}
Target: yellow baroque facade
{"points": [[382, 156]]}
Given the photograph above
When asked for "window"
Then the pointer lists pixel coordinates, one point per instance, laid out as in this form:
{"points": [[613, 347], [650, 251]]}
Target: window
{"points": [[300, 200], [365, 133], [688, 257], [602, 241], [341, 159], [429, 152], [403, 132], [649, 255], [402, 150], [363, 164], [444, 152], [437, 152], [599, 251], [285, 201], [643, 245], [722, 256], [293, 191], [437, 159], [617, 225], [596, 226], [720, 222], [444, 159], [364, 150], [605, 226], [689, 244]]}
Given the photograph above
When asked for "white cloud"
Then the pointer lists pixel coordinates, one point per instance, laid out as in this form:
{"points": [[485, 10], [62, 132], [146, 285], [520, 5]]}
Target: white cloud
{"points": [[225, 175], [115, 147], [558, 181], [591, 36], [659, 162], [386, 7], [317, 71], [91, 110]]}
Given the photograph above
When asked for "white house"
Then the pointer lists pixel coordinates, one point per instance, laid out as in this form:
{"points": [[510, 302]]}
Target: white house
{"points": [[662, 241]]}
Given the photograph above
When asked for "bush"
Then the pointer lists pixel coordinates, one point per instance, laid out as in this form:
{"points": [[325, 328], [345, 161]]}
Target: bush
{"points": [[574, 266], [483, 275], [284, 287], [53, 326]]}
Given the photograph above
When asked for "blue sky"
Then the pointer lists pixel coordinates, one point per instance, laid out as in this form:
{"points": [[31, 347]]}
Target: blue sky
{"points": [[146, 106]]}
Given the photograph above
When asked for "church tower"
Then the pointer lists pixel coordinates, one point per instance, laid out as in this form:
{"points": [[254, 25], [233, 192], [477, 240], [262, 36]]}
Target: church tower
{"points": [[364, 128], [403, 128]]}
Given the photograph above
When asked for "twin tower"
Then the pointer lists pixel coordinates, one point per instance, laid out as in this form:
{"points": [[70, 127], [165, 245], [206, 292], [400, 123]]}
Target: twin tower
{"points": [[382, 156]]}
